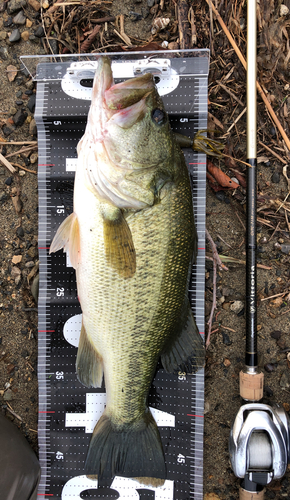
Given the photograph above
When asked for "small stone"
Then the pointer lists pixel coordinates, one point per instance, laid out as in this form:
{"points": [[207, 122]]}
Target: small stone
{"points": [[30, 84], [237, 306], [33, 39], [21, 173], [15, 36], [227, 362], [33, 158], [17, 280], [53, 45], [10, 368], [273, 132], [32, 252], [19, 103], [19, 117], [8, 129], [285, 379], [20, 232], [164, 44], [284, 10], [226, 306], [276, 334], [8, 22], [16, 259], [45, 4], [281, 343], [226, 338], [12, 111], [3, 35], [34, 4], [268, 391], [39, 32], [269, 367], [275, 178], [25, 35], [173, 46], [150, 3], [31, 103], [3, 196], [4, 51], [15, 271], [8, 395], [28, 23], [15, 5], [220, 195], [134, 16], [33, 131], [29, 264], [20, 18], [8, 181]]}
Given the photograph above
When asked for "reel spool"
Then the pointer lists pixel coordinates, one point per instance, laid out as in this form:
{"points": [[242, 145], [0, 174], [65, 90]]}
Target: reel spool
{"points": [[259, 444]]}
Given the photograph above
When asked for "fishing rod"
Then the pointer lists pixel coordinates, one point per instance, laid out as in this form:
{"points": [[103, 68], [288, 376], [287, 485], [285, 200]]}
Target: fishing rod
{"points": [[259, 438]]}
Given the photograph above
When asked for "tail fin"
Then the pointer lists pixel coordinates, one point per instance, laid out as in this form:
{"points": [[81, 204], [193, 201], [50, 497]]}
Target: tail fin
{"points": [[134, 450]]}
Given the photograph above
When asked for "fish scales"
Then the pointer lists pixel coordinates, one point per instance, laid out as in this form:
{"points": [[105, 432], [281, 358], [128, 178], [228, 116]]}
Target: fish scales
{"points": [[131, 239]]}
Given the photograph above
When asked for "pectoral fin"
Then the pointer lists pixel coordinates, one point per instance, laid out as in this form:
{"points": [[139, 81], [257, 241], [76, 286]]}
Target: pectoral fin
{"points": [[89, 366], [119, 246], [68, 238], [184, 352]]}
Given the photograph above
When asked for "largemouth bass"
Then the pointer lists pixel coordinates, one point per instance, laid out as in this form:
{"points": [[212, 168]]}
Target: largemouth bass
{"points": [[131, 239]]}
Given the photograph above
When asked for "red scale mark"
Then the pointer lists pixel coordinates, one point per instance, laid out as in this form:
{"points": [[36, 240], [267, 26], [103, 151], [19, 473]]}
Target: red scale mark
{"points": [[46, 331], [43, 248], [46, 165], [197, 163], [46, 412], [189, 415], [201, 248], [45, 494]]}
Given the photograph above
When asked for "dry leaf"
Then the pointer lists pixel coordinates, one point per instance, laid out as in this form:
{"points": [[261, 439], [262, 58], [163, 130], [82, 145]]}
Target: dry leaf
{"points": [[222, 178], [11, 72], [16, 259], [277, 302]]}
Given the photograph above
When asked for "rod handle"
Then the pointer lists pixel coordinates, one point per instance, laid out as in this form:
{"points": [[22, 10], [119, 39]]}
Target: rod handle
{"points": [[251, 385], [251, 495]]}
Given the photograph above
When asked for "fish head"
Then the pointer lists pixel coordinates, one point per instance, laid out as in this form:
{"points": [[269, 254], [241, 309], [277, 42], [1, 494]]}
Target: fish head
{"points": [[138, 133]]}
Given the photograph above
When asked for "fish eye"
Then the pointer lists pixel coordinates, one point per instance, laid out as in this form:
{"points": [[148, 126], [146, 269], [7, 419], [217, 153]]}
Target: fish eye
{"points": [[158, 116]]}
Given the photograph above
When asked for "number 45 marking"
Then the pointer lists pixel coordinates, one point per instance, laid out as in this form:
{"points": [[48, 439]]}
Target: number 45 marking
{"points": [[127, 488], [181, 459]]}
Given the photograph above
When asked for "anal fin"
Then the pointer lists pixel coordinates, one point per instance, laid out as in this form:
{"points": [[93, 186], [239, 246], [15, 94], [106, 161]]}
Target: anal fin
{"points": [[89, 366], [119, 246], [68, 238], [185, 351]]}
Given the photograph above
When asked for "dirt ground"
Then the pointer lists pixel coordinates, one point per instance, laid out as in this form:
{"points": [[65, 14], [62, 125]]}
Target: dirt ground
{"points": [[225, 214]]}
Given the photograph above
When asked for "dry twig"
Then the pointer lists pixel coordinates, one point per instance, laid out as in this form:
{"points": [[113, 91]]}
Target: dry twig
{"points": [[7, 164], [243, 61], [216, 261]]}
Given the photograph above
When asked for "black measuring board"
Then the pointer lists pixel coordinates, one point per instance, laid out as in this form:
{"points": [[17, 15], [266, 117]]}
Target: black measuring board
{"points": [[68, 411]]}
